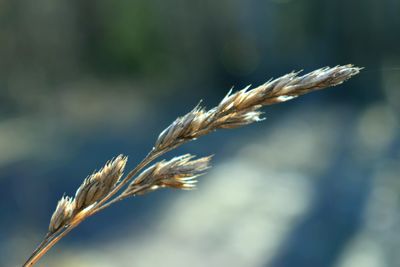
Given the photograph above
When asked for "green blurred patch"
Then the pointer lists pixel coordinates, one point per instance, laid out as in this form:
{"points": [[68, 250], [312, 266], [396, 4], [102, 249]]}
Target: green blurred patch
{"points": [[129, 38]]}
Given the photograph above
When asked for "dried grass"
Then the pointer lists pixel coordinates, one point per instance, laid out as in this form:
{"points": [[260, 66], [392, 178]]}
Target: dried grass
{"points": [[105, 187]]}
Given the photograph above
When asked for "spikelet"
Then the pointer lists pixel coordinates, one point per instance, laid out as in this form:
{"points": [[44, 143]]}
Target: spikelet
{"points": [[62, 214], [100, 183]]}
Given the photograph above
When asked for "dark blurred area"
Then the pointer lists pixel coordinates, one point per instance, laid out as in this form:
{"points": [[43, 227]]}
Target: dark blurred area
{"points": [[316, 184]]}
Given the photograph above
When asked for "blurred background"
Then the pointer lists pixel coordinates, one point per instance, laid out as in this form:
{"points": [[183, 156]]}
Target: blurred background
{"points": [[316, 184]]}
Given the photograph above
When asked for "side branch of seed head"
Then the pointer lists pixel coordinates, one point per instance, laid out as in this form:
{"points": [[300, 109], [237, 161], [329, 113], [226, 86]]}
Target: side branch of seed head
{"points": [[180, 173], [93, 188]]}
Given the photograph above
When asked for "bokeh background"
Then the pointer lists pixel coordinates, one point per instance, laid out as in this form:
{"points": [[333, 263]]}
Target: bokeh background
{"points": [[316, 184]]}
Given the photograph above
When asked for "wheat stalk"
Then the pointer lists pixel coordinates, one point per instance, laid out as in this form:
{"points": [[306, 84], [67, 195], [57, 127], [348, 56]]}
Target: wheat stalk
{"points": [[105, 187]]}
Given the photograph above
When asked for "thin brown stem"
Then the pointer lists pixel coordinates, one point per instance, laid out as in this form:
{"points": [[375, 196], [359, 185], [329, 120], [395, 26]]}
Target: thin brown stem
{"points": [[49, 241], [117, 199], [40, 246]]}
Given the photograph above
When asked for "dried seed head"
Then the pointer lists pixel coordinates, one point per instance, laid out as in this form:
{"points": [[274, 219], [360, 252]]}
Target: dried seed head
{"points": [[242, 107], [179, 172], [100, 183], [62, 214]]}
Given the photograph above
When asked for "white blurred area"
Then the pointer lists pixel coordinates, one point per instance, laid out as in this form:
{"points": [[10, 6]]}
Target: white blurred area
{"points": [[84, 108], [245, 208], [377, 244]]}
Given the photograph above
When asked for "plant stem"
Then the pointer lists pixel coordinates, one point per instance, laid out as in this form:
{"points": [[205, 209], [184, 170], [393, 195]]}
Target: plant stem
{"points": [[117, 199], [45, 245], [235, 110]]}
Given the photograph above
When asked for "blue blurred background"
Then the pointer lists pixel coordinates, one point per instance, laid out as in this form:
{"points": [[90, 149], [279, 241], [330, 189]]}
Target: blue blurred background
{"points": [[316, 184]]}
